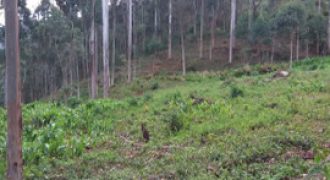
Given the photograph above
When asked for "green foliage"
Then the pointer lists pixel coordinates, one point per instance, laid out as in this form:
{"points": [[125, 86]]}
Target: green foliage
{"points": [[289, 17], [236, 92], [154, 45], [242, 24], [316, 27], [173, 121], [213, 126]]}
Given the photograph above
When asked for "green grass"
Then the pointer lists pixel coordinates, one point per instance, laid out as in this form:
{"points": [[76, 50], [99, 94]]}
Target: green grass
{"points": [[234, 124]]}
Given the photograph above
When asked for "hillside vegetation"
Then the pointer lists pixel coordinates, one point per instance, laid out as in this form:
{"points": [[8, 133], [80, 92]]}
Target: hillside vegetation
{"points": [[235, 124]]}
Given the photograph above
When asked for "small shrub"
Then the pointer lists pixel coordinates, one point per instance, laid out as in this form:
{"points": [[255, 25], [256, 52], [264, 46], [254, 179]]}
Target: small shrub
{"points": [[133, 101], [236, 92], [175, 124], [74, 102], [147, 97], [154, 86]]}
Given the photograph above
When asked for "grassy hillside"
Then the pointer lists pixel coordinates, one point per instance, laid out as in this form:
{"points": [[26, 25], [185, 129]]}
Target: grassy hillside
{"points": [[234, 124]]}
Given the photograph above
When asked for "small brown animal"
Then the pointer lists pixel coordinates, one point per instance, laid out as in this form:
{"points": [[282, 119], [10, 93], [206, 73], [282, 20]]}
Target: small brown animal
{"points": [[145, 133]]}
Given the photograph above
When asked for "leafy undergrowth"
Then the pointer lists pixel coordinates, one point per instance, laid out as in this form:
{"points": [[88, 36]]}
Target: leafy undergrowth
{"points": [[235, 124]]}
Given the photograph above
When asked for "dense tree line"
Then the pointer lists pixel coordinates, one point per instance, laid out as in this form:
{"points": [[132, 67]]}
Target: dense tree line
{"points": [[99, 42]]}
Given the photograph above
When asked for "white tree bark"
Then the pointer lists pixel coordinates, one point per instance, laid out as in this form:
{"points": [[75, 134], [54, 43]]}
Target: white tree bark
{"points": [[130, 39], [201, 40], [170, 30], [183, 50], [232, 30], [92, 49], [113, 61], [106, 71]]}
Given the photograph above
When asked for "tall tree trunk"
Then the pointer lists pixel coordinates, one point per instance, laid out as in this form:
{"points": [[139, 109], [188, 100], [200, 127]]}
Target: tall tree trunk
{"points": [[170, 30], [195, 17], [144, 30], [113, 61], [129, 44], [318, 44], [232, 30], [250, 19], [78, 80], [71, 60], [273, 51], [97, 60], [156, 20], [183, 50], [328, 28], [201, 35], [291, 49], [212, 40], [13, 93], [319, 6], [307, 48], [297, 46], [92, 47], [135, 40], [106, 71]]}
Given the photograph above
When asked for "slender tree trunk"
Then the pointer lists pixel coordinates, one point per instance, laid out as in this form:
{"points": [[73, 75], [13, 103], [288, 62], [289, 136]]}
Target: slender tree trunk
{"points": [[291, 49], [319, 6], [318, 44], [92, 45], [144, 29], [328, 40], [212, 40], [273, 51], [129, 49], [297, 46], [71, 80], [201, 35], [307, 48], [113, 61], [78, 80], [232, 30], [250, 20], [13, 93], [106, 71], [135, 41], [183, 49], [97, 60], [170, 30], [195, 17], [156, 22]]}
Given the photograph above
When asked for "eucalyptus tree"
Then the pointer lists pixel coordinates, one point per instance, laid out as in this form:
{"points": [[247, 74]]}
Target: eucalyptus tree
{"points": [[92, 48], [201, 30], [317, 30], [106, 71], [328, 30], [113, 44], [13, 93], [184, 19], [232, 30], [170, 10], [129, 40], [288, 21]]}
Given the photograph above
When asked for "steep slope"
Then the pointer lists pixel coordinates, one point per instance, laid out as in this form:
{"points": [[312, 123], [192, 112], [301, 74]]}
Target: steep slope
{"points": [[239, 123]]}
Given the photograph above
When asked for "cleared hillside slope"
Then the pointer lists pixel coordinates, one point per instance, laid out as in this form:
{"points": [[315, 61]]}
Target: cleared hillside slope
{"points": [[237, 124]]}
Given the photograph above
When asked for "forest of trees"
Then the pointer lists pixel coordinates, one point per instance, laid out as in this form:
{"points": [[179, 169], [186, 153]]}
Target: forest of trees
{"points": [[72, 45], [102, 42]]}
